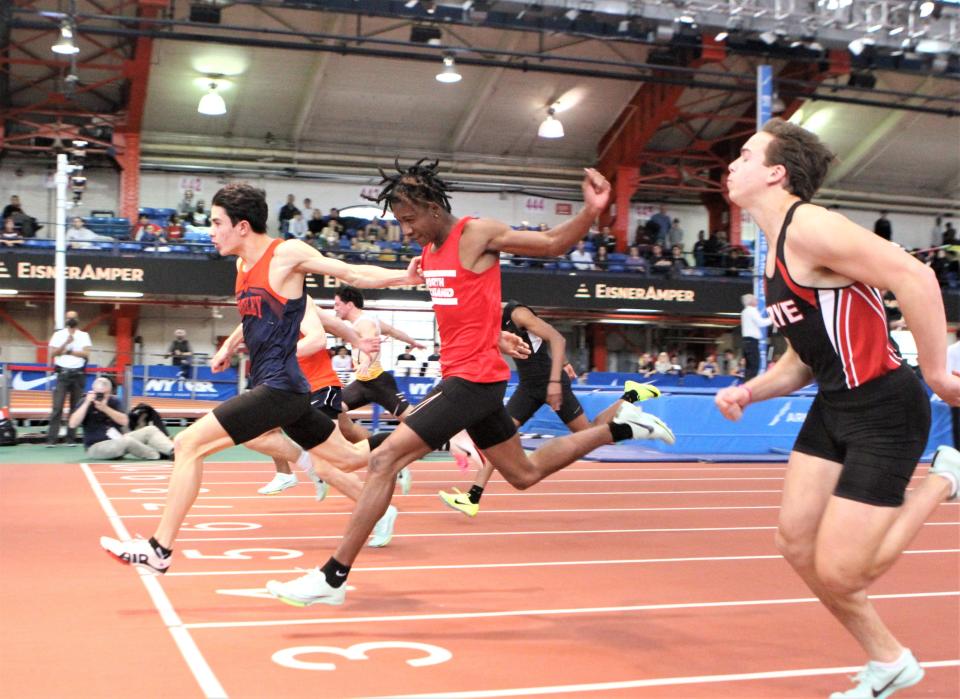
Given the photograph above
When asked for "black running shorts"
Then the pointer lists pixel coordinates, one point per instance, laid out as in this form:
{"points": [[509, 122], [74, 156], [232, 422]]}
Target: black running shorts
{"points": [[328, 401], [262, 409], [878, 431], [529, 396], [381, 390], [456, 404]]}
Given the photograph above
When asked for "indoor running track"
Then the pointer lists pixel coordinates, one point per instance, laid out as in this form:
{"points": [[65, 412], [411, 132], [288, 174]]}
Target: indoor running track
{"points": [[612, 580]]}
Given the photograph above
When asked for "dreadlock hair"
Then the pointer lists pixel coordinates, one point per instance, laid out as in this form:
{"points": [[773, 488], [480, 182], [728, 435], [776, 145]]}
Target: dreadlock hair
{"points": [[418, 185]]}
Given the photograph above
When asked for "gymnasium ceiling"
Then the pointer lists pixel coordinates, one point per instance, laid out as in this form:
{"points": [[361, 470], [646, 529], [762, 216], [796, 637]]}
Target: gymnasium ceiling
{"points": [[333, 109]]}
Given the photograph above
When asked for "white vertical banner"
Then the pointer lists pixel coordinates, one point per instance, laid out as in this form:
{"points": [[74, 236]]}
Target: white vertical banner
{"points": [[764, 112]]}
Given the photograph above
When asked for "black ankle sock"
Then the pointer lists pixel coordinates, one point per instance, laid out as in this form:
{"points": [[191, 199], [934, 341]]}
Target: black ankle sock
{"points": [[630, 396], [475, 492], [162, 551], [377, 439], [620, 432], [335, 572]]}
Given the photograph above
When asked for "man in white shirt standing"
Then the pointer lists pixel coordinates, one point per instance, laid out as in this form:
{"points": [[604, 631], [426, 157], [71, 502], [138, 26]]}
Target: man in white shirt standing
{"points": [[953, 365], [751, 328], [68, 350]]}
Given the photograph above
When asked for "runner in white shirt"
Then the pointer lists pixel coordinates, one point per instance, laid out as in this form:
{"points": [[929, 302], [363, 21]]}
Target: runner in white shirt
{"points": [[68, 350]]}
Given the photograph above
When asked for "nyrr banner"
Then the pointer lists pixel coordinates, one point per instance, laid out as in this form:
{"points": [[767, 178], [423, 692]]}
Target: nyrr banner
{"points": [[161, 381]]}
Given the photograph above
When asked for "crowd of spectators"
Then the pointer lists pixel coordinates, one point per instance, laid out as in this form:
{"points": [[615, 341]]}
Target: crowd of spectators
{"points": [[674, 363]]}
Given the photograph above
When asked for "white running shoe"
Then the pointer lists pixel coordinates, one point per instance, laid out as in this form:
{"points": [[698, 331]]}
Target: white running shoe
{"points": [[875, 682], [644, 425], [946, 464], [383, 530], [280, 482], [322, 488], [308, 589], [465, 452], [405, 479], [136, 552]]}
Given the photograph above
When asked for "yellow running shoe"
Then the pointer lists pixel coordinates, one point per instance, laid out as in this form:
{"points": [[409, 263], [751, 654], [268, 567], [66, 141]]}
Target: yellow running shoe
{"points": [[645, 391], [460, 502]]}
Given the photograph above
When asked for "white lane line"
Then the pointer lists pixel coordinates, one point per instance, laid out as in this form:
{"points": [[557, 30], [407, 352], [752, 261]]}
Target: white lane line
{"points": [[447, 513], [202, 672], [567, 532], [653, 682], [285, 497], [543, 612], [552, 480], [531, 564], [452, 468]]}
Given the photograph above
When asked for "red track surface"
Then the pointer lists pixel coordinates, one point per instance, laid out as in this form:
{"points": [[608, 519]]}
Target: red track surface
{"points": [[614, 580]]}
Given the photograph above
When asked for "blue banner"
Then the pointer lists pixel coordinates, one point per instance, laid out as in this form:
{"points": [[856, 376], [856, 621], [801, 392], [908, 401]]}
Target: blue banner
{"points": [[162, 381]]}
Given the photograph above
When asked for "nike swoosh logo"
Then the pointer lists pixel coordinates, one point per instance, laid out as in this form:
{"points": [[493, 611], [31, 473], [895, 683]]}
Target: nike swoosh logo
{"points": [[884, 688], [339, 574], [21, 384]]}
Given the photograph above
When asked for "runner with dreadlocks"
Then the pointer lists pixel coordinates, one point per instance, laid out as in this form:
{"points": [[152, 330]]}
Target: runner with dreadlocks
{"points": [[460, 265]]}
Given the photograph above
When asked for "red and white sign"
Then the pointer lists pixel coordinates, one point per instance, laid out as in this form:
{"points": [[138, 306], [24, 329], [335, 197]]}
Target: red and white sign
{"points": [[190, 182], [535, 204], [563, 208]]}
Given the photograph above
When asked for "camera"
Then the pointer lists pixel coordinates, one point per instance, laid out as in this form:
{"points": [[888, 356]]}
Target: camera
{"points": [[98, 396]]}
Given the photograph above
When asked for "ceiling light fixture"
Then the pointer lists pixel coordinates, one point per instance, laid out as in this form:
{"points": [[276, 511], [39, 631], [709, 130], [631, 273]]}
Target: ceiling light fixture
{"points": [[551, 126], [449, 73], [212, 103], [721, 36], [926, 9], [65, 45]]}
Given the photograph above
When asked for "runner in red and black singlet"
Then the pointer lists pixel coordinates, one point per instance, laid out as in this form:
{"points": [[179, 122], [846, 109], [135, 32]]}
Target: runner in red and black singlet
{"points": [[271, 301], [460, 265], [844, 519]]}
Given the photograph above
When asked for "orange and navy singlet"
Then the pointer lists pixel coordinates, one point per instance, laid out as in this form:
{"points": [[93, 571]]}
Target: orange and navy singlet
{"points": [[841, 333], [271, 326], [467, 306]]}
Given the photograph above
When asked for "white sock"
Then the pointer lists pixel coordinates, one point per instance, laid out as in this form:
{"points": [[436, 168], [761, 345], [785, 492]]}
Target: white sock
{"points": [[899, 662], [306, 464]]}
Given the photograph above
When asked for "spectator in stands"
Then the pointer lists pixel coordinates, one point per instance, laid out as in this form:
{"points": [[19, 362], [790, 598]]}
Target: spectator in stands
{"points": [[187, 206], [435, 357], [606, 239], [79, 236], [581, 258], [645, 363], [663, 223], [645, 235], [679, 262], [736, 261], [751, 329], [892, 309], [297, 227], [663, 364], [675, 237], [709, 366], [103, 420], [200, 217], [342, 361], [148, 233], [11, 208], [68, 351], [660, 264], [883, 227], [315, 226], [713, 250], [407, 355], [180, 353], [699, 254], [10, 236], [940, 264], [950, 235], [140, 229], [307, 209], [600, 262], [729, 364], [634, 262], [333, 219], [174, 229], [286, 214]]}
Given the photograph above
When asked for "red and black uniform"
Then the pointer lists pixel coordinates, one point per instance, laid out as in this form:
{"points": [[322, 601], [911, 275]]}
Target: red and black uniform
{"points": [[325, 385], [871, 413], [470, 395], [281, 395]]}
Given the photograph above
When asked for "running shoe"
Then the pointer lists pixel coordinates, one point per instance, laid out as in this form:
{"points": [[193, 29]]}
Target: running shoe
{"points": [[308, 589], [946, 464], [136, 552], [645, 391], [460, 502], [405, 479], [321, 486], [644, 425], [280, 482], [383, 530], [876, 682], [465, 452]]}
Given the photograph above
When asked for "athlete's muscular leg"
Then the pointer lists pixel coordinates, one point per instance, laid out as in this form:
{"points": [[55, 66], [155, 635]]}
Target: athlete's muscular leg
{"points": [[279, 448], [202, 438], [401, 448], [351, 430]]}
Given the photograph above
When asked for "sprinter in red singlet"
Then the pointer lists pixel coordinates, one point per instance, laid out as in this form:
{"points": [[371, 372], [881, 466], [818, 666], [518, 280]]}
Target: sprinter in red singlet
{"points": [[461, 267], [271, 300], [843, 518]]}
